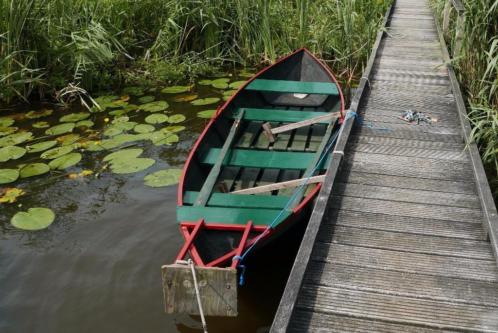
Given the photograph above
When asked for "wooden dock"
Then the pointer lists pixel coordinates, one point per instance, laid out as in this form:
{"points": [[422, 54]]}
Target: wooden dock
{"points": [[404, 234]]}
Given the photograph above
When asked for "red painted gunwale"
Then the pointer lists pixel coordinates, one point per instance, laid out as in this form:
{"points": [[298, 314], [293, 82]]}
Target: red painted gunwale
{"points": [[186, 225]]}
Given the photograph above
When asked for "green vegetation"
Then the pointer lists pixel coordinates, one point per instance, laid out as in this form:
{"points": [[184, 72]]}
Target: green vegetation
{"points": [[62, 48], [477, 68]]}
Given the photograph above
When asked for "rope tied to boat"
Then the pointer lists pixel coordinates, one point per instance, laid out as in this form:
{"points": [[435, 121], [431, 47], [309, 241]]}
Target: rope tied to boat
{"points": [[198, 295], [362, 123], [350, 114]]}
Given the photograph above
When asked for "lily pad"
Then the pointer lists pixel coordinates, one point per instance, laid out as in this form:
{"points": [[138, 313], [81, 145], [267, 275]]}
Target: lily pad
{"points": [[176, 118], [39, 114], [41, 146], [205, 82], [65, 161], [60, 129], [124, 154], [131, 165], [220, 85], [74, 117], [221, 80], [169, 139], [84, 123], [146, 99], [8, 175], [37, 218], [6, 122], [156, 118], [229, 92], [10, 195], [205, 101], [7, 130], [144, 128], [117, 104], [33, 169], [173, 129], [56, 152], [15, 139], [208, 114], [185, 98], [236, 84], [41, 124], [68, 139], [134, 91], [175, 89], [92, 146], [119, 112], [11, 153], [112, 131], [155, 106], [163, 178]]}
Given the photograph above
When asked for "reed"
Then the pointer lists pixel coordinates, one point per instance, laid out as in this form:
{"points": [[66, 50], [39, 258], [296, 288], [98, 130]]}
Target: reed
{"points": [[477, 70], [45, 45]]}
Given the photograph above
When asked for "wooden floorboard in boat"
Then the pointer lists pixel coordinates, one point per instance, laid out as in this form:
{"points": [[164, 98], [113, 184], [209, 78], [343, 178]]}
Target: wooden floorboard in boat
{"points": [[402, 247]]}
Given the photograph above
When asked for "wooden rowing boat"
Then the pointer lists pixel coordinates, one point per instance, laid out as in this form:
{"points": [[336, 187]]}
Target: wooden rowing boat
{"points": [[246, 171]]}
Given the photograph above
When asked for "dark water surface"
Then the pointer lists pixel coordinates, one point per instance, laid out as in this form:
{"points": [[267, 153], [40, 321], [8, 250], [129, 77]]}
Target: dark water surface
{"points": [[97, 267]]}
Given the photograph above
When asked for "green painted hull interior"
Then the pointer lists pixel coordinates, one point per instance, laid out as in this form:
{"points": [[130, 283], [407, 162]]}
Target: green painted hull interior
{"points": [[250, 159]]}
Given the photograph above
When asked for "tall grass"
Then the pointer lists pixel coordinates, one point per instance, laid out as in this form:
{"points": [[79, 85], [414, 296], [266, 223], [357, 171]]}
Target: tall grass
{"points": [[46, 45], [477, 68]]}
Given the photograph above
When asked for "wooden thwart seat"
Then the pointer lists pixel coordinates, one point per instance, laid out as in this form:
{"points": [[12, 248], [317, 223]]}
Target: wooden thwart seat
{"points": [[261, 159], [300, 87], [225, 215], [240, 200]]}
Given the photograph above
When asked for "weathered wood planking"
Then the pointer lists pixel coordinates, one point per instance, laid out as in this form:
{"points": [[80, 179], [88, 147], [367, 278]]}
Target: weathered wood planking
{"points": [[396, 241]]}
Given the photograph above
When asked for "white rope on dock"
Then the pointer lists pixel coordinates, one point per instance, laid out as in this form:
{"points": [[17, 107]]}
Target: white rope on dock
{"points": [[197, 293]]}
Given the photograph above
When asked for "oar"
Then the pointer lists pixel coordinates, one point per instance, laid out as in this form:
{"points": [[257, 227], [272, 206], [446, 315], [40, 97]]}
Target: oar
{"points": [[281, 185], [270, 132]]}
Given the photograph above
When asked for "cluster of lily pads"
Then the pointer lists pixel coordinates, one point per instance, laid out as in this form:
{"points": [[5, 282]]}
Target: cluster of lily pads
{"points": [[60, 146]]}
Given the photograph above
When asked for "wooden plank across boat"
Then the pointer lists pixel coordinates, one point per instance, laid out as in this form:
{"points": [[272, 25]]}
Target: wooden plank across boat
{"points": [[240, 180]]}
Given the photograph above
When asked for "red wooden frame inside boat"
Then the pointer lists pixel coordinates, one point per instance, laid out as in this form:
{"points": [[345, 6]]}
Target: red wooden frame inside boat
{"points": [[187, 228]]}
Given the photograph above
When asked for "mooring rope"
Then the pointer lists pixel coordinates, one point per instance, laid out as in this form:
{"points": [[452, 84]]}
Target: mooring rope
{"points": [[349, 114], [198, 295]]}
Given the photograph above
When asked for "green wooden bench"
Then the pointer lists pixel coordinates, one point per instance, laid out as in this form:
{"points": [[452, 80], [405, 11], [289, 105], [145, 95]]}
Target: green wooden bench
{"points": [[258, 216], [261, 159], [240, 200], [276, 115], [284, 86]]}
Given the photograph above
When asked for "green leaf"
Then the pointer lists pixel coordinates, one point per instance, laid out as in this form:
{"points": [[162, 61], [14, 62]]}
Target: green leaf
{"points": [[220, 85], [92, 146], [134, 91], [208, 114], [236, 84], [36, 218], [144, 128], [167, 139], [41, 124], [65, 161], [119, 112], [11, 153], [39, 114], [60, 129], [74, 117], [131, 165], [123, 154], [163, 178], [205, 82], [84, 123], [56, 152], [205, 101], [175, 89], [176, 118], [185, 98], [146, 99], [156, 118], [15, 139], [155, 106], [8, 175], [112, 131], [41, 146], [68, 139], [7, 130], [173, 129], [6, 122], [33, 169], [229, 92]]}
